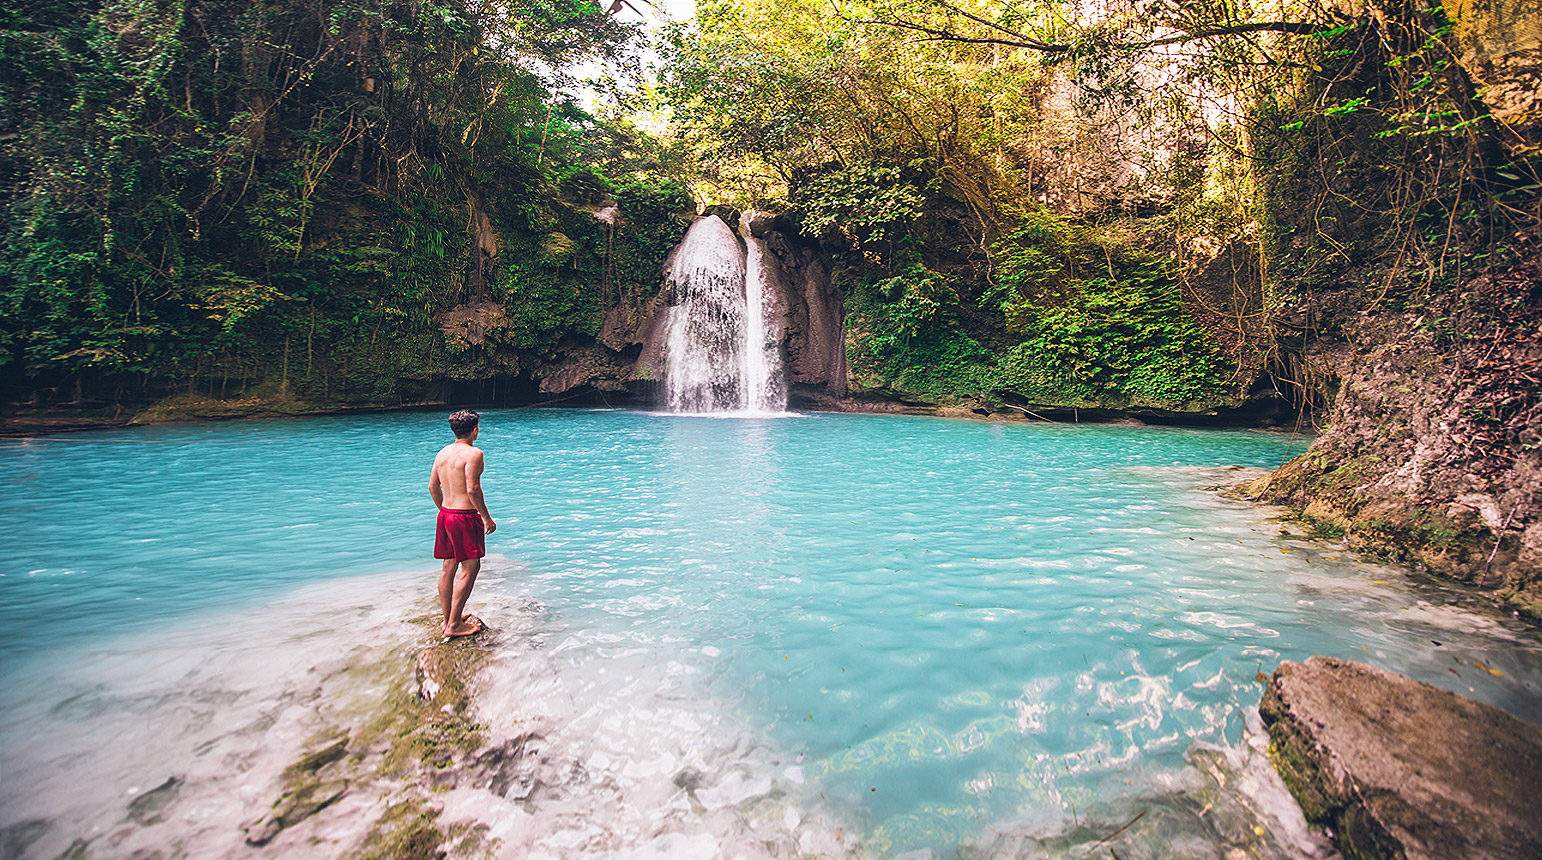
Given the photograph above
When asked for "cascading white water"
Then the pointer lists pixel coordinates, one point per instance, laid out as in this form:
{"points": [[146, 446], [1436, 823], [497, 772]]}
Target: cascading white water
{"points": [[706, 322], [762, 365], [719, 358]]}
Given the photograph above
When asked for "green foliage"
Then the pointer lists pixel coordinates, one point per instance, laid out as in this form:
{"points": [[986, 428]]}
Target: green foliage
{"points": [[1098, 328], [657, 214], [1072, 320], [868, 204], [544, 306], [911, 337], [219, 197], [582, 183]]}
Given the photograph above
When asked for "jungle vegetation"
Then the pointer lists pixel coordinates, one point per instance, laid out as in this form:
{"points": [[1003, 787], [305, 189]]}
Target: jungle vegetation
{"points": [[221, 196], [1025, 204]]}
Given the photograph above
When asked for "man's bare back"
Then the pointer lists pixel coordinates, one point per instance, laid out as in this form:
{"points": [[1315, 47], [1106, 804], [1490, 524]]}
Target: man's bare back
{"points": [[455, 483], [458, 477]]}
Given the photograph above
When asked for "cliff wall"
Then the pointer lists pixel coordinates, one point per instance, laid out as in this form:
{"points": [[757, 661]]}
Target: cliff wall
{"points": [[1409, 284]]}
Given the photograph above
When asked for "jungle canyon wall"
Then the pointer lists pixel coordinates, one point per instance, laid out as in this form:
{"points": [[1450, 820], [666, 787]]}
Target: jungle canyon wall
{"points": [[238, 209]]}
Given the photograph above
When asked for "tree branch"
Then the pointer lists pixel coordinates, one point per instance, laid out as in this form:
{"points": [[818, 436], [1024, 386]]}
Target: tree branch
{"points": [[1019, 40]]}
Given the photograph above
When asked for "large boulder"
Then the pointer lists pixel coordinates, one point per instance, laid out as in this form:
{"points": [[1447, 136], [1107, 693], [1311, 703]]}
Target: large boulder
{"points": [[1403, 769]]}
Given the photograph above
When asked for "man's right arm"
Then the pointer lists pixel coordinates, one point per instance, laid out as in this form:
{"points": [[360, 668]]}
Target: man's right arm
{"points": [[435, 490]]}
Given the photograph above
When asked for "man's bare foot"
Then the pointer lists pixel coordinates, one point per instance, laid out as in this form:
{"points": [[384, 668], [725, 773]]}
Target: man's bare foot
{"points": [[468, 625]]}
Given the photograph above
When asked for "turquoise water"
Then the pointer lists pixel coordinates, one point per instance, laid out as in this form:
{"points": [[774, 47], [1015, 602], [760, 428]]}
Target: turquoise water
{"points": [[950, 630]]}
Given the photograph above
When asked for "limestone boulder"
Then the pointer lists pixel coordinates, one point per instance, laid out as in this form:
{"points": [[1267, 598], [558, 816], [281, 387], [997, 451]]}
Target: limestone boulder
{"points": [[1398, 768]]}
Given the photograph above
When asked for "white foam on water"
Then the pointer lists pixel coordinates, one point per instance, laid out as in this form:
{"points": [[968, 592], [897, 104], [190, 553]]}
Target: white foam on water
{"points": [[626, 757]]}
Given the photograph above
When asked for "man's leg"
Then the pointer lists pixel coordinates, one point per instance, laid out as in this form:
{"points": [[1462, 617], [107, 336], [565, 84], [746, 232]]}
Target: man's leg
{"points": [[446, 586], [458, 624]]}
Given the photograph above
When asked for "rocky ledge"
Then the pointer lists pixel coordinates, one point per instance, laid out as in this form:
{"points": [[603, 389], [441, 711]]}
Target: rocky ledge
{"points": [[1398, 768]]}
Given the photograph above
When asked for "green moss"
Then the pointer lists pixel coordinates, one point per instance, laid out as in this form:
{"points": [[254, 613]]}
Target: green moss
{"points": [[310, 763], [1300, 775], [406, 831], [1323, 529], [412, 734]]}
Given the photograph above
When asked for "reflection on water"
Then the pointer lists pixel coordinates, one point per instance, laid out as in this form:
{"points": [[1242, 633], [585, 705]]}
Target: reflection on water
{"points": [[839, 633]]}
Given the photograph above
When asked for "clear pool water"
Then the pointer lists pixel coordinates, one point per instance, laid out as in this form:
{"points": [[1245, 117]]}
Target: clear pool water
{"points": [[954, 636]]}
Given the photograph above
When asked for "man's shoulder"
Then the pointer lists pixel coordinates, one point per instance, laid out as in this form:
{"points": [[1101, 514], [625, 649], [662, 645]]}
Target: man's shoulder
{"points": [[456, 452]]}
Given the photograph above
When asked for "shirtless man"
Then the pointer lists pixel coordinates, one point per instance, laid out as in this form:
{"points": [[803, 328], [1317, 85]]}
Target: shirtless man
{"points": [[456, 486]]}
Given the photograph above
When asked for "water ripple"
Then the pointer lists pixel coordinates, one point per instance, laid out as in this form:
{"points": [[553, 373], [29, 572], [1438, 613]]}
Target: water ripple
{"points": [[943, 623]]}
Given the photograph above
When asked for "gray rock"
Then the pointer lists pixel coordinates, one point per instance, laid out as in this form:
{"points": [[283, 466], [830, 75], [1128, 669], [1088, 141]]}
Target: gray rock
{"points": [[1403, 769], [509, 770]]}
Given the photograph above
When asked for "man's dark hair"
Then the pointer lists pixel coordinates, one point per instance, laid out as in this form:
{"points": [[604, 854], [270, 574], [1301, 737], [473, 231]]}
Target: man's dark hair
{"points": [[463, 422]]}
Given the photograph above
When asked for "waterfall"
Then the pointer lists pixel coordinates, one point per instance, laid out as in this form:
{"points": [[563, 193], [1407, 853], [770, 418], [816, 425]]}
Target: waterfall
{"points": [[722, 356], [766, 391]]}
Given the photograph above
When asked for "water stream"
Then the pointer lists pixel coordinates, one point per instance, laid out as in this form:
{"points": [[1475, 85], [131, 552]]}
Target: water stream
{"points": [[822, 634]]}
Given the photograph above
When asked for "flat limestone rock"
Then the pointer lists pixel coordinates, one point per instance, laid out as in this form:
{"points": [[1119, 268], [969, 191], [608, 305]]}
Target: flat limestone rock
{"points": [[1403, 769]]}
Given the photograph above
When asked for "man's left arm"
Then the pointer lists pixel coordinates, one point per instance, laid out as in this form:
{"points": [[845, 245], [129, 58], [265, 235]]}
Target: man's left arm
{"points": [[474, 490]]}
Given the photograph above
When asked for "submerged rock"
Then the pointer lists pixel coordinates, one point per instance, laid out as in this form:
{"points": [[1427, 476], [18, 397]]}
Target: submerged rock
{"points": [[306, 793], [509, 770], [150, 807], [295, 806], [15, 839], [1400, 768]]}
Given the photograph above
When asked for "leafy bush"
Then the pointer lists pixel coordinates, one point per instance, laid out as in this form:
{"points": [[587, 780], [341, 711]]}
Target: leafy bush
{"points": [[869, 203], [1120, 329], [1067, 321], [652, 211], [583, 183]]}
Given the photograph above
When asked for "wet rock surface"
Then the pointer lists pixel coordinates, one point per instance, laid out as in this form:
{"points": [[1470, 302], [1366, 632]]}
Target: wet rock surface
{"points": [[1403, 769]]}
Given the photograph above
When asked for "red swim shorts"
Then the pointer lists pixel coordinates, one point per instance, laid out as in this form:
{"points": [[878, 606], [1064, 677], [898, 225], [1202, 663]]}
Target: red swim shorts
{"points": [[459, 535]]}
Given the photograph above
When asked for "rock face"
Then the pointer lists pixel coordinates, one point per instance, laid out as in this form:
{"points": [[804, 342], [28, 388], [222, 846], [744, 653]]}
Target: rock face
{"points": [[1501, 48], [1403, 769], [1433, 456], [815, 338]]}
